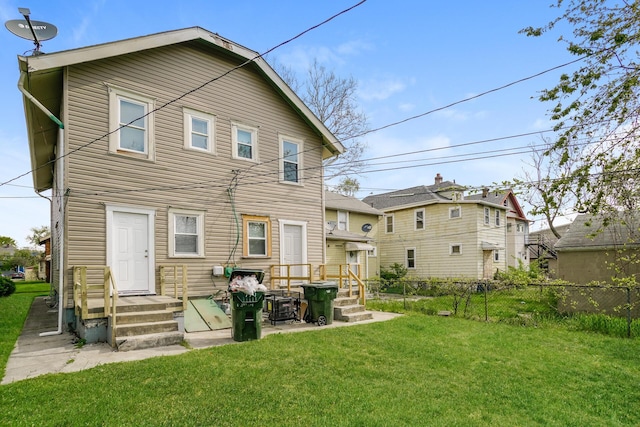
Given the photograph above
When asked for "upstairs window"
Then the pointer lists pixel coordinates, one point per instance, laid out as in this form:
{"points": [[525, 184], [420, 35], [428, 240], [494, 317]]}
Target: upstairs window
{"points": [[245, 142], [419, 219], [455, 212], [343, 220], [455, 249], [131, 123], [487, 216], [497, 218], [388, 219], [198, 131], [290, 160]]}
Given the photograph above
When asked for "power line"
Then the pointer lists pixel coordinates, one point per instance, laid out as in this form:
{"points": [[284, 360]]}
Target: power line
{"points": [[248, 61]]}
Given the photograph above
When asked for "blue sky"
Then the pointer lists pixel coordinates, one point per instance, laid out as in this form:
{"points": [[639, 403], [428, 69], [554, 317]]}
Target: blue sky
{"points": [[408, 56]]}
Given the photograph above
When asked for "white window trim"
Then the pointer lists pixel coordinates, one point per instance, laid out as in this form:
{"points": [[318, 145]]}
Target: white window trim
{"points": [[372, 252], [453, 209], [497, 219], [235, 126], [346, 222], [415, 219], [115, 94], [451, 246], [415, 258], [172, 241], [188, 115], [300, 144], [496, 255], [487, 216], [393, 225]]}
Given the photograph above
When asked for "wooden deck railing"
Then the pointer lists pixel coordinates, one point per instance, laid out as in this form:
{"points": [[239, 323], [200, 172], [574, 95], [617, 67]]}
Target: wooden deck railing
{"points": [[345, 277], [81, 290], [277, 276], [172, 274]]}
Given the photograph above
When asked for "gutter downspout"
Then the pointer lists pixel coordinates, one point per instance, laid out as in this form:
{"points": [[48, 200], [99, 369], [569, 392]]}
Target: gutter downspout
{"points": [[59, 170]]}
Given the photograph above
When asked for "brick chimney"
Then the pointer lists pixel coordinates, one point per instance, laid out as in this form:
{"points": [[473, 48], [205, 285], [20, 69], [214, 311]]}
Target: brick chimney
{"points": [[438, 179], [485, 193]]}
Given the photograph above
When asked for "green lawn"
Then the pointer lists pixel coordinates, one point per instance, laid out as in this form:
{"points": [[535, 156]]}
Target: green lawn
{"points": [[413, 370]]}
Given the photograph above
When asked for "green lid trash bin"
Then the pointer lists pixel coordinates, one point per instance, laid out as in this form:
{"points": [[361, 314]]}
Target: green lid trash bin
{"points": [[246, 309], [320, 296]]}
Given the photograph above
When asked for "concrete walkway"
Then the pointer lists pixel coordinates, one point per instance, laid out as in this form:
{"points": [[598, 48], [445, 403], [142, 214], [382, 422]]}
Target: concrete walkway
{"points": [[35, 355]]}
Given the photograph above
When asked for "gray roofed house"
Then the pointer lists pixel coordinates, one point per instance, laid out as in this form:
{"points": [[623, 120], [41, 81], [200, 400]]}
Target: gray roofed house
{"points": [[351, 233], [590, 248], [436, 231], [440, 191]]}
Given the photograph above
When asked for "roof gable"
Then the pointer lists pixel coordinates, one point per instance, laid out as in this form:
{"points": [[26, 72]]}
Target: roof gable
{"points": [[345, 203], [588, 232], [42, 77]]}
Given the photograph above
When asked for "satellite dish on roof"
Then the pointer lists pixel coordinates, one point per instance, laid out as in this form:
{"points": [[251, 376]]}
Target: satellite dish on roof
{"points": [[31, 30]]}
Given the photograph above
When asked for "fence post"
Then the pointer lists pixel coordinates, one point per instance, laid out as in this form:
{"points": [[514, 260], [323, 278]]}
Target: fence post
{"points": [[628, 311], [486, 302]]}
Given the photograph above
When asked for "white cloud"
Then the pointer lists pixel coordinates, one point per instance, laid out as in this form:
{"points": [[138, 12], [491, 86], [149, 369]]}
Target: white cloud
{"points": [[406, 107], [354, 47], [381, 89]]}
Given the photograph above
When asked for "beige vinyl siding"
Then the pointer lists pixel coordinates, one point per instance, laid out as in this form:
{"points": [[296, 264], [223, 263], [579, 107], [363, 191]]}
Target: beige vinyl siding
{"points": [[432, 245], [181, 178]]}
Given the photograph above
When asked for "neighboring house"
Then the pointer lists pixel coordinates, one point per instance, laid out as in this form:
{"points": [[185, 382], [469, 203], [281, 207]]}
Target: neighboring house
{"points": [[44, 268], [178, 148], [516, 252], [351, 231], [435, 231], [589, 251]]}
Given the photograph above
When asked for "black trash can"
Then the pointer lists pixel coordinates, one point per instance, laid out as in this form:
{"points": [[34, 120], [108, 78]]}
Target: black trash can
{"points": [[246, 310], [320, 296]]}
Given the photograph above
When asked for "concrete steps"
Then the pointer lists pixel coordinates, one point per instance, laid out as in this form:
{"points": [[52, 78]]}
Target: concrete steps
{"points": [[145, 323], [348, 309]]}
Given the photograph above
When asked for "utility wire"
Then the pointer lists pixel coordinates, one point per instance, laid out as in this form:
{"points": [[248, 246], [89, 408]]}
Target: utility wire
{"points": [[248, 61]]}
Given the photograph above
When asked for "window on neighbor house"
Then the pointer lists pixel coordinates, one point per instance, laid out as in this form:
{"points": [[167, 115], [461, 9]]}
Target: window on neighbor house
{"points": [[132, 124], [186, 233], [519, 228], [199, 131], [411, 258], [257, 236], [419, 217], [245, 142], [487, 216], [290, 160], [455, 249], [343, 220], [497, 218], [454, 212], [388, 223]]}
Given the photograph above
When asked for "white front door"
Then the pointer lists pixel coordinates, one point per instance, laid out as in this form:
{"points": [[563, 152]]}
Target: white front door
{"points": [[353, 259], [129, 250], [293, 245]]}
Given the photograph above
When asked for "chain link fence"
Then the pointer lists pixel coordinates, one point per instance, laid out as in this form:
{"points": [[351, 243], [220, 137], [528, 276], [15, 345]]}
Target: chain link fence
{"points": [[614, 310]]}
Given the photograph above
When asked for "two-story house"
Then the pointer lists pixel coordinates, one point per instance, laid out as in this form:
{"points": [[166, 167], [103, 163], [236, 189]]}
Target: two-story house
{"points": [[351, 234], [180, 149], [516, 250], [435, 231]]}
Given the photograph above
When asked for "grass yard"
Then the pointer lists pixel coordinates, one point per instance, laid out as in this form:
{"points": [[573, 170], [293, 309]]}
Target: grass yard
{"points": [[413, 370]]}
